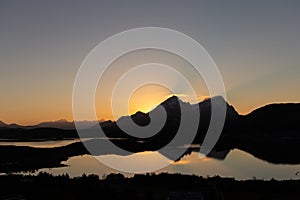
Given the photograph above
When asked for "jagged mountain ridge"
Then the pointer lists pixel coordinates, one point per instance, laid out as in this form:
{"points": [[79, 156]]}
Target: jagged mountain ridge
{"points": [[173, 109], [271, 133]]}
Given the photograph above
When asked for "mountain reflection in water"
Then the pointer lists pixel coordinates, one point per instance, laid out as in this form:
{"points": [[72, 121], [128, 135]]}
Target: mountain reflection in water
{"points": [[237, 164]]}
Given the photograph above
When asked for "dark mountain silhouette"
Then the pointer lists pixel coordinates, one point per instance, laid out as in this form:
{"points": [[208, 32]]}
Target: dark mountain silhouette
{"points": [[2, 124], [275, 118], [5, 125], [270, 133], [173, 110], [59, 124], [62, 124]]}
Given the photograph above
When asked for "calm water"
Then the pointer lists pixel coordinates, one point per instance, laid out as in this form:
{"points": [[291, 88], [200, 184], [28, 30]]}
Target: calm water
{"points": [[42, 144], [48, 143], [238, 164]]}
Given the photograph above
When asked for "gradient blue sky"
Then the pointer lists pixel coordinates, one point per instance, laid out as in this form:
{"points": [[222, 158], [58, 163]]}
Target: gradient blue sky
{"points": [[255, 44]]}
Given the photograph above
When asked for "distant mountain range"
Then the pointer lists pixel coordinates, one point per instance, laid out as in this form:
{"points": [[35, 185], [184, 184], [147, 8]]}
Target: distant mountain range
{"points": [[275, 117], [272, 119], [59, 124]]}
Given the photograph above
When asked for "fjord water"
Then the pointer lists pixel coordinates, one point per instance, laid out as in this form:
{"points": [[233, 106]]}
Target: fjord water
{"points": [[237, 164], [41, 144]]}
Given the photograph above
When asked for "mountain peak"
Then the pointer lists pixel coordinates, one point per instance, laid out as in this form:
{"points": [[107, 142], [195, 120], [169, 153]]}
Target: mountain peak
{"points": [[2, 124], [215, 99], [139, 113], [176, 99], [218, 98], [171, 102], [62, 121], [172, 98]]}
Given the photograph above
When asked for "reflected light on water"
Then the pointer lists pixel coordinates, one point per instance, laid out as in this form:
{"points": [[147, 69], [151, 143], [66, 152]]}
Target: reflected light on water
{"points": [[41, 144], [238, 164], [139, 161]]}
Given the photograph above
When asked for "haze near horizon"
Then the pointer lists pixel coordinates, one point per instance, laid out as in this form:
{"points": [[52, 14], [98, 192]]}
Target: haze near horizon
{"points": [[255, 45]]}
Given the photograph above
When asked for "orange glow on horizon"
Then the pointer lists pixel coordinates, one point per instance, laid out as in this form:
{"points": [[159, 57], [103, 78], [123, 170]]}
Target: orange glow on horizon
{"points": [[146, 98]]}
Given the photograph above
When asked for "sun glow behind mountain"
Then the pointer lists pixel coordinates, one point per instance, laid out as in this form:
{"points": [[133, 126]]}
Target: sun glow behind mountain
{"points": [[147, 97], [140, 80], [255, 46]]}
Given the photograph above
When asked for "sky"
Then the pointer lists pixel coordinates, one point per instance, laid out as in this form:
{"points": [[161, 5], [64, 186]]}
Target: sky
{"points": [[255, 45]]}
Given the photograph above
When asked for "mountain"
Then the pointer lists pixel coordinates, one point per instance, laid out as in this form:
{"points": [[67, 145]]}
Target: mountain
{"points": [[3, 125], [271, 132], [275, 118], [59, 124], [173, 107]]}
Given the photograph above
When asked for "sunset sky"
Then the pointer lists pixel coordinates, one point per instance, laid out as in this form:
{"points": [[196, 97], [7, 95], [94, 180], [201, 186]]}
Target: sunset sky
{"points": [[255, 45]]}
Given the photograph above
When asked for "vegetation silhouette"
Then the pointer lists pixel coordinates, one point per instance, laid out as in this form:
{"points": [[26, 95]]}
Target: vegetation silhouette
{"points": [[147, 186]]}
